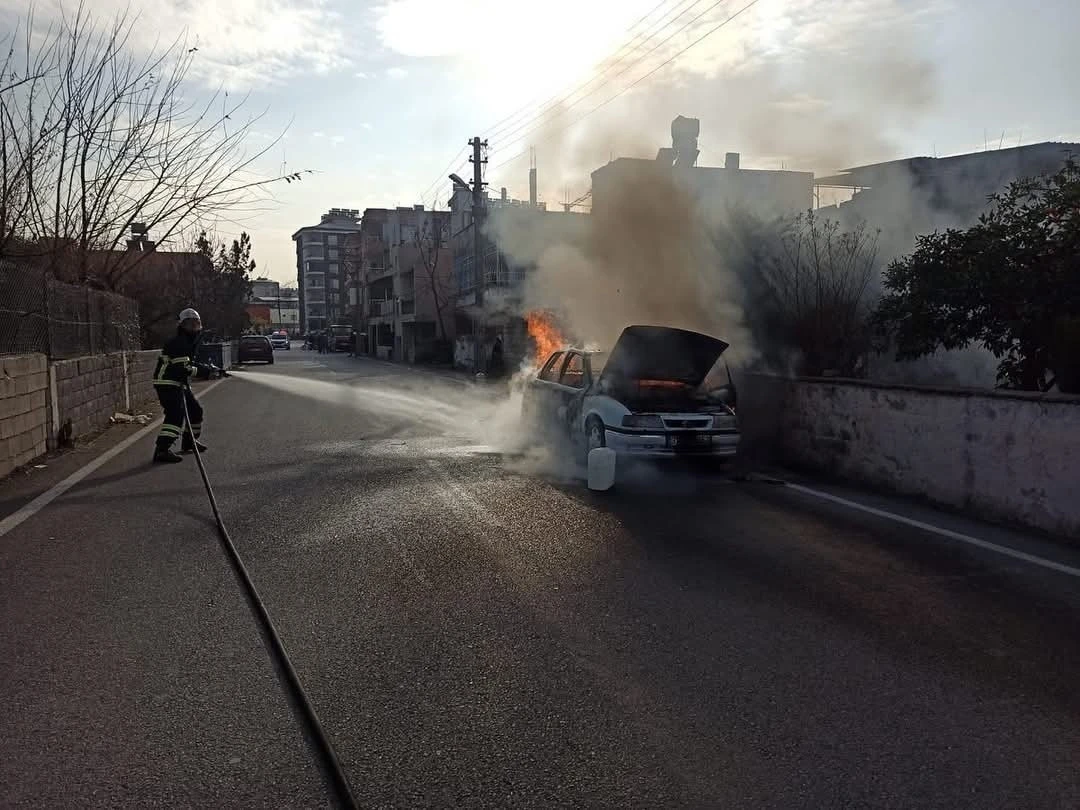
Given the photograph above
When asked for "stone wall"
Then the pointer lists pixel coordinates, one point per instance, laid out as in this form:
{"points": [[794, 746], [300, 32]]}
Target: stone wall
{"points": [[141, 376], [1008, 456], [24, 386], [89, 390]]}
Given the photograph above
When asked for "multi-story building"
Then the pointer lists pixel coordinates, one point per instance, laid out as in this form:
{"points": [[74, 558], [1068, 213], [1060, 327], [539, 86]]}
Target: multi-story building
{"points": [[904, 198], [272, 307], [400, 264], [320, 268], [490, 297]]}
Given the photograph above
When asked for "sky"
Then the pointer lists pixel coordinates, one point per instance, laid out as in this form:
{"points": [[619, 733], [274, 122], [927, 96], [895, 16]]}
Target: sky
{"points": [[379, 99]]}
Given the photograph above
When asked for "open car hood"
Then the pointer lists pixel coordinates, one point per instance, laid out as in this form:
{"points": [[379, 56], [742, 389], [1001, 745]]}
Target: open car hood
{"points": [[662, 353]]}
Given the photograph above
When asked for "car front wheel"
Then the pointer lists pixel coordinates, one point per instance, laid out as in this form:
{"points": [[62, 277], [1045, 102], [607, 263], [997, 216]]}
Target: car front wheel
{"points": [[595, 435]]}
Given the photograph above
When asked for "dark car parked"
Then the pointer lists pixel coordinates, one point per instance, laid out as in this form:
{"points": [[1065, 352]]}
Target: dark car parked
{"points": [[255, 347]]}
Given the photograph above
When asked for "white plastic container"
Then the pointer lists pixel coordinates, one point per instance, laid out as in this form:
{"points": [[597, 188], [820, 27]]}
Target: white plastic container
{"points": [[601, 469]]}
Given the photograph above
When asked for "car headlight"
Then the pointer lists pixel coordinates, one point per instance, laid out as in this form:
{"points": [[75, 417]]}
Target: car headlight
{"points": [[648, 421]]}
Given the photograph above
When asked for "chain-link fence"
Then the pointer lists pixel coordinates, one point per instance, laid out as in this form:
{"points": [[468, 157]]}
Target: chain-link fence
{"points": [[40, 314]]}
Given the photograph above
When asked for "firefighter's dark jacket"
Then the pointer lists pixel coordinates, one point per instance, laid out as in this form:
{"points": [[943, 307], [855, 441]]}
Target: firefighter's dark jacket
{"points": [[177, 361]]}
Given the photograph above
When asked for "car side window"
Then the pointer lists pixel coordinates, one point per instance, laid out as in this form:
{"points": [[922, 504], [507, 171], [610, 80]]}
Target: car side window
{"points": [[573, 374], [550, 372]]}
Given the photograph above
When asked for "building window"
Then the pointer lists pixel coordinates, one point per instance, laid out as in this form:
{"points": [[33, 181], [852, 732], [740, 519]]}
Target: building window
{"points": [[331, 239], [333, 253], [334, 268]]}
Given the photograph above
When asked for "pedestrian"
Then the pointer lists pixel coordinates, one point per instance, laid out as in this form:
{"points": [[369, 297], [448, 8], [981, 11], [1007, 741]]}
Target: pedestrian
{"points": [[176, 363], [497, 365], [352, 343], [324, 342]]}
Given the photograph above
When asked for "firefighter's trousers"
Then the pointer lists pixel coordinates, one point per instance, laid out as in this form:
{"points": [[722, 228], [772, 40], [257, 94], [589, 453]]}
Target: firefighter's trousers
{"points": [[172, 400]]}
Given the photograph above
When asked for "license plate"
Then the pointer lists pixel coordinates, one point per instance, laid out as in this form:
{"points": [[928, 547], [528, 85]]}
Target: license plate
{"points": [[688, 441]]}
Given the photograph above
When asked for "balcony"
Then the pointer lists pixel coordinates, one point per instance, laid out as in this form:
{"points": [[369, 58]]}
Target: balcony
{"points": [[504, 276], [381, 307]]}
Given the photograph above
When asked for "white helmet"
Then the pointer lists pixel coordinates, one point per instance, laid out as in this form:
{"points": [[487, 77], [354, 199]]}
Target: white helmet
{"points": [[189, 314]]}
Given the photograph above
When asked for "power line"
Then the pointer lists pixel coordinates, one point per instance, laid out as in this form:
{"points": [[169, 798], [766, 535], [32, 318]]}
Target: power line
{"points": [[636, 82], [615, 60], [530, 105], [633, 64], [443, 173]]}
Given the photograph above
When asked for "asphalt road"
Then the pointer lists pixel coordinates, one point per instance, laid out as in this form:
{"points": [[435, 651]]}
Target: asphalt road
{"points": [[477, 629]]}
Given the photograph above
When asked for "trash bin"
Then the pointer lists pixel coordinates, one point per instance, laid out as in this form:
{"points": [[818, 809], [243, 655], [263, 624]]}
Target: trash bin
{"points": [[218, 354]]}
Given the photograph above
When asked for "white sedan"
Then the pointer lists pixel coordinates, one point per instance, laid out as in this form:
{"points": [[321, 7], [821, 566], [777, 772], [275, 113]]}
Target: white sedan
{"points": [[644, 398]]}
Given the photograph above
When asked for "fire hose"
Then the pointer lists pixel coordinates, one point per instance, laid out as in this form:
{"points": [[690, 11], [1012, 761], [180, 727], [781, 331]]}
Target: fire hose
{"points": [[324, 751]]}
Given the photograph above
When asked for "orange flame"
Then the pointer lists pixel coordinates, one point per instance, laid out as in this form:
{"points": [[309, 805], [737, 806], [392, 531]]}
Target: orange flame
{"points": [[545, 335]]}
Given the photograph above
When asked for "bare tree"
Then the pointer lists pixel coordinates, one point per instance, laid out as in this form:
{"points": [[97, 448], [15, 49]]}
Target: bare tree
{"points": [[97, 138], [430, 239], [820, 279]]}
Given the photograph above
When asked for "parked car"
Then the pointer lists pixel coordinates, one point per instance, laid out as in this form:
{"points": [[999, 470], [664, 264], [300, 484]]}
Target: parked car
{"points": [[280, 340], [255, 347], [645, 398], [338, 335]]}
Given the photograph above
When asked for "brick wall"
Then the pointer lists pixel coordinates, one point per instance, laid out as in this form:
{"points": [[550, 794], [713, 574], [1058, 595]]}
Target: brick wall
{"points": [[89, 390], [24, 385], [141, 375]]}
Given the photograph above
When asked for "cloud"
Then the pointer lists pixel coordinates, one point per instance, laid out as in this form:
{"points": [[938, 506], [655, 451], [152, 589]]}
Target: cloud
{"points": [[397, 73], [336, 139], [241, 44], [318, 134], [366, 125], [360, 75]]}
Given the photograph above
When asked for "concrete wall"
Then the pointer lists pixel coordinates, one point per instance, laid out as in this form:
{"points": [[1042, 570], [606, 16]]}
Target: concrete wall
{"points": [[89, 390], [1007, 456], [24, 384]]}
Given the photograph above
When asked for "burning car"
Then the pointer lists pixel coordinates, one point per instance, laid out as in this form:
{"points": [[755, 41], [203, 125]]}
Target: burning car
{"points": [[645, 398]]}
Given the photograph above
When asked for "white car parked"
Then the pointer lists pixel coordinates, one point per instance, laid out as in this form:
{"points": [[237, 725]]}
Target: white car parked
{"points": [[280, 340], [644, 398]]}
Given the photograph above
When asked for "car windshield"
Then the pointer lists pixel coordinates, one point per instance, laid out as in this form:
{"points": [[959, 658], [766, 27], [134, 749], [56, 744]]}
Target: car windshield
{"points": [[254, 339], [597, 361]]}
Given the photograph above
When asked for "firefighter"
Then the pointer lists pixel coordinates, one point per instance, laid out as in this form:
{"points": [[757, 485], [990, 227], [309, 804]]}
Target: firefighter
{"points": [[176, 363]]}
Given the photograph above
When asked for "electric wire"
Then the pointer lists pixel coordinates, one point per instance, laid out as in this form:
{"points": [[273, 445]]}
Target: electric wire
{"points": [[633, 84]]}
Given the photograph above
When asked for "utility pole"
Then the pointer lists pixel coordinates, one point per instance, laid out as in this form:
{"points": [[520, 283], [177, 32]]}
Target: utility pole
{"points": [[478, 160]]}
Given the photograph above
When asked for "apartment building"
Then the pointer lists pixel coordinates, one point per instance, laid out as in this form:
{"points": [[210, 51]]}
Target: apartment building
{"points": [[320, 269], [489, 296], [400, 259]]}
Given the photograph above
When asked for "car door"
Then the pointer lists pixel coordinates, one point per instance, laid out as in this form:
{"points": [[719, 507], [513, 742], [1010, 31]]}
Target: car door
{"points": [[573, 381], [543, 403]]}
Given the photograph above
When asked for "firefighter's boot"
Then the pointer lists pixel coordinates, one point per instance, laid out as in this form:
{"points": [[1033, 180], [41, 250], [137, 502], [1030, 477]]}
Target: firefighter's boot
{"points": [[164, 455], [188, 446]]}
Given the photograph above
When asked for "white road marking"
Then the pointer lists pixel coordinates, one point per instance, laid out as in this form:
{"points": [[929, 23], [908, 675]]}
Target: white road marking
{"points": [[929, 527], [45, 498]]}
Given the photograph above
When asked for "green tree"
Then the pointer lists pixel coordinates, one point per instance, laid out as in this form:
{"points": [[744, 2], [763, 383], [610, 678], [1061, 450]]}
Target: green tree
{"points": [[220, 295], [1010, 282]]}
